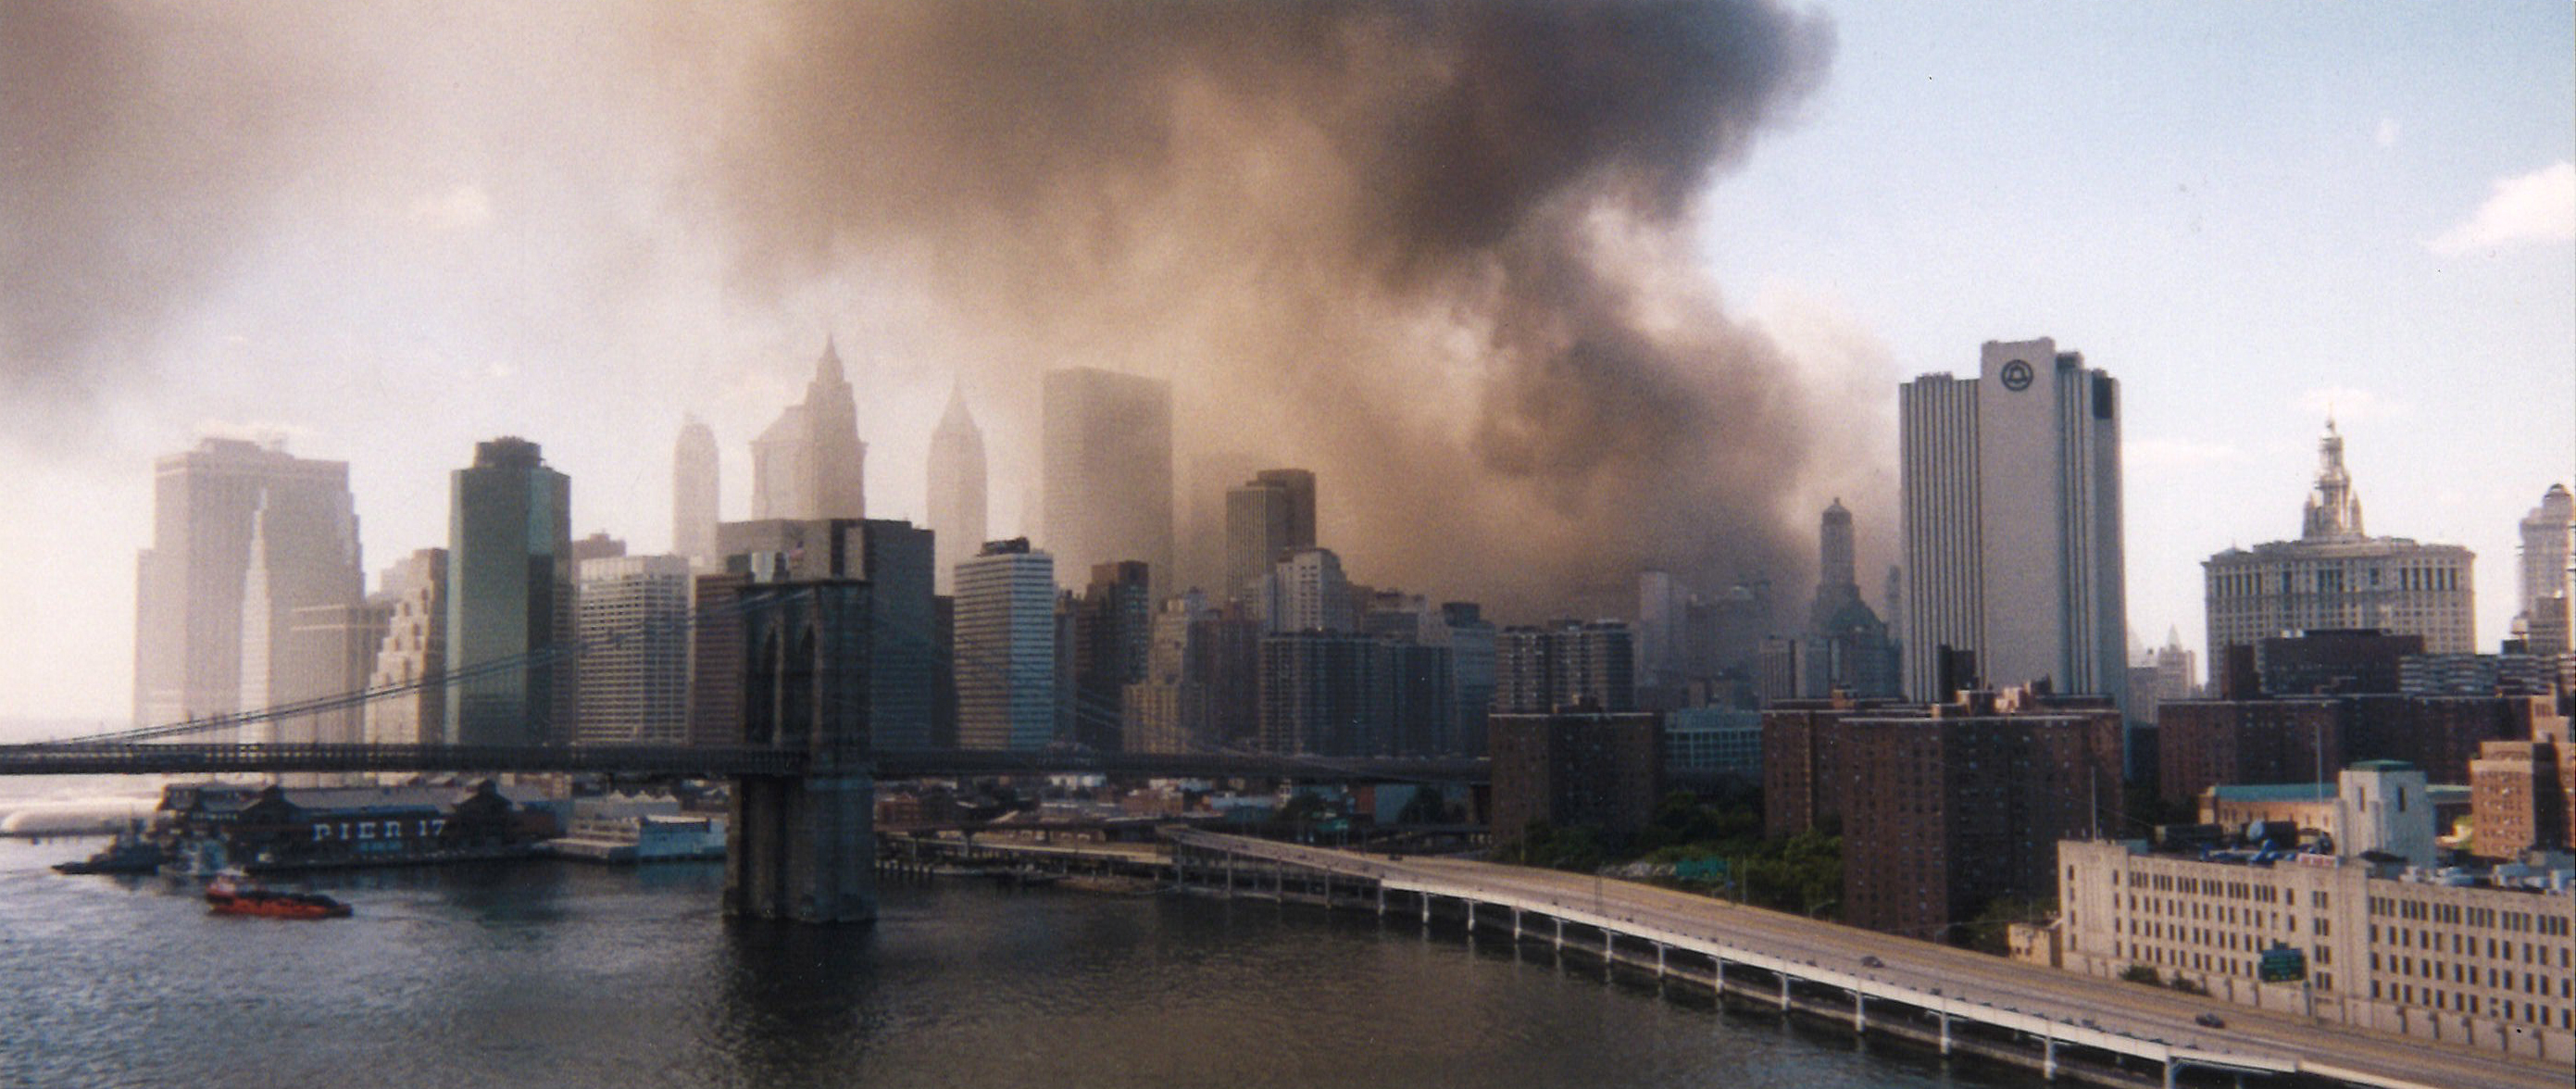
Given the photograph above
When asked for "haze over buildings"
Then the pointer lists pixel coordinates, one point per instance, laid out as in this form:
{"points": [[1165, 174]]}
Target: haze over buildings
{"points": [[1444, 334], [696, 487], [1108, 471], [810, 464], [958, 475], [244, 536]]}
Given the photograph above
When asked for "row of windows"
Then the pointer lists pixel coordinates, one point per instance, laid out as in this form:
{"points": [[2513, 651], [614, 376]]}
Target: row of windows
{"points": [[2505, 1009]]}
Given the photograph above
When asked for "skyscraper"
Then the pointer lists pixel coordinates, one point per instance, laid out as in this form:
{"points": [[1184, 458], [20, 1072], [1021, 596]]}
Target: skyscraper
{"points": [[1305, 591], [1847, 646], [2011, 486], [694, 493], [810, 463], [1836, 583], [208, 504], [1108, 469], [1005, 652], [2336, 576], [633, 612], [2546, 544], [957, 501], [509, 596], [414, 651], [1113, 633], [1265, 518]]}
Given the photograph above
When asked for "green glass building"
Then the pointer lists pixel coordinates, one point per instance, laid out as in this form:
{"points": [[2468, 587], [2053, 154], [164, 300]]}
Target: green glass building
{"points": [[509, 597]]}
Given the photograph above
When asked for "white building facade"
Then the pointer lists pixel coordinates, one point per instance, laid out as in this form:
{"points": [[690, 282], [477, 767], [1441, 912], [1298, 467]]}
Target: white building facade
{"points": [[2011, 484], [2337, 576], [2488, 966], [632, 616]]}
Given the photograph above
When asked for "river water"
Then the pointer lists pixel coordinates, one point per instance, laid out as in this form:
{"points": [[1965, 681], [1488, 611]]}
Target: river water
{"points": [[559, 974]]}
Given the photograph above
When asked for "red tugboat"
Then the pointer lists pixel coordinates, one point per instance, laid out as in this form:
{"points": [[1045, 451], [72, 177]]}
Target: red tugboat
{"points": [[230, 894]]}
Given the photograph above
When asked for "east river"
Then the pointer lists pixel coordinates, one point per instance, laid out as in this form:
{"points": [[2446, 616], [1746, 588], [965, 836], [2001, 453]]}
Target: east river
{"points": [[559, 974]]}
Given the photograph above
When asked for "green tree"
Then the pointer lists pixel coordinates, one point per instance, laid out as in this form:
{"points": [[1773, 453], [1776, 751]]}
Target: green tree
{"points": [[1991, 930]]}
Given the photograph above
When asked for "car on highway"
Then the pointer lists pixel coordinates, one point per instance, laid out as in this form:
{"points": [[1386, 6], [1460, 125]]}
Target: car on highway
{"points": [[1872, 961], [2210, 1020]]}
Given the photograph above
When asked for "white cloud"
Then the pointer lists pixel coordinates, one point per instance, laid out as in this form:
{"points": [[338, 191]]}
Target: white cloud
{"points": [[463, 206], [2388, 132], [2535, 207]]}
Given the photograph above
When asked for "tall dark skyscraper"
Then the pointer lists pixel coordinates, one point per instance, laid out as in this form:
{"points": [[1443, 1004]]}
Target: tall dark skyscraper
{"points": [[1108, 470], [957, 500], [509, 594], [810, 463], [694, 494], [198, 584], [1267, 517], [1848, 649], [1836, 585]]}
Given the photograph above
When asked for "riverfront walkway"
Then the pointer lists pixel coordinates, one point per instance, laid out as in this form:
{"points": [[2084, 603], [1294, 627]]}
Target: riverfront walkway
{"points": [[1915, 987]]}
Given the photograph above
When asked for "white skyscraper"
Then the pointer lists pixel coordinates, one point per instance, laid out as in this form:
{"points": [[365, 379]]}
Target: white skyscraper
{"points": [[200, 583], [1305, 591], [957, 502], [632, 612], [694, 493], [1005, 648], [2012, 523], [2545, 591]]}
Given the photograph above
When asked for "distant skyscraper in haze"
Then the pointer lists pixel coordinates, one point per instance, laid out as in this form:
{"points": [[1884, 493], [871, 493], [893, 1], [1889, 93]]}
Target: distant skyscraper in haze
{"points": [[208, 505], [1265, 518], [810, 463], [509, 596], [1837, 584], [1847, 647], [1108, 470], [2336, 576], [2546, 543], [1005, 648], [957, 478], [1306, 591], [2011, 487], [1663, 625], [694, 493]]}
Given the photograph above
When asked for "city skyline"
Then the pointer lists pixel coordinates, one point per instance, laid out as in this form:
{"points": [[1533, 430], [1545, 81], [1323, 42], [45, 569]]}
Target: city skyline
{"points": [[2398, 201]]}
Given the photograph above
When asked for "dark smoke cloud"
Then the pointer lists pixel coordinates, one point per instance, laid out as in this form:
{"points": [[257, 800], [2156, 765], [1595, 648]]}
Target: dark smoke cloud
{"points": [[1440, 253], [142, 147]]}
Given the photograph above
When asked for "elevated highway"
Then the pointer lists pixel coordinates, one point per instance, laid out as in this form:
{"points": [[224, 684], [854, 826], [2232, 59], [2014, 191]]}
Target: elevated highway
{"points": [[1949, 994]]}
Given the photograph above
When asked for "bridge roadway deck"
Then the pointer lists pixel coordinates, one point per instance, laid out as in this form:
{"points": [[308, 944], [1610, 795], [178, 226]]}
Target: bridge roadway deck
{"points": [[129, 758], [2124, 1017]]}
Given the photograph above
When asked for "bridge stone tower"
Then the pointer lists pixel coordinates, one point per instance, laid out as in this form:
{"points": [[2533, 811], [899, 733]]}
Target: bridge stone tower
{"points": [[802, 848]]}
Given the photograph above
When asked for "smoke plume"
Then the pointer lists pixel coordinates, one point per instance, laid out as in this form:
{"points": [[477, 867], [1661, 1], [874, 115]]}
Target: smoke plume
{"points": [[1443, 254], [1439, 253], [142, 149]]}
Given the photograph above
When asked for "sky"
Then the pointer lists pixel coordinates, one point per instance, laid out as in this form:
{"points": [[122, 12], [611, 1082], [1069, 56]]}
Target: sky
{"points": [[425, 229]]}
